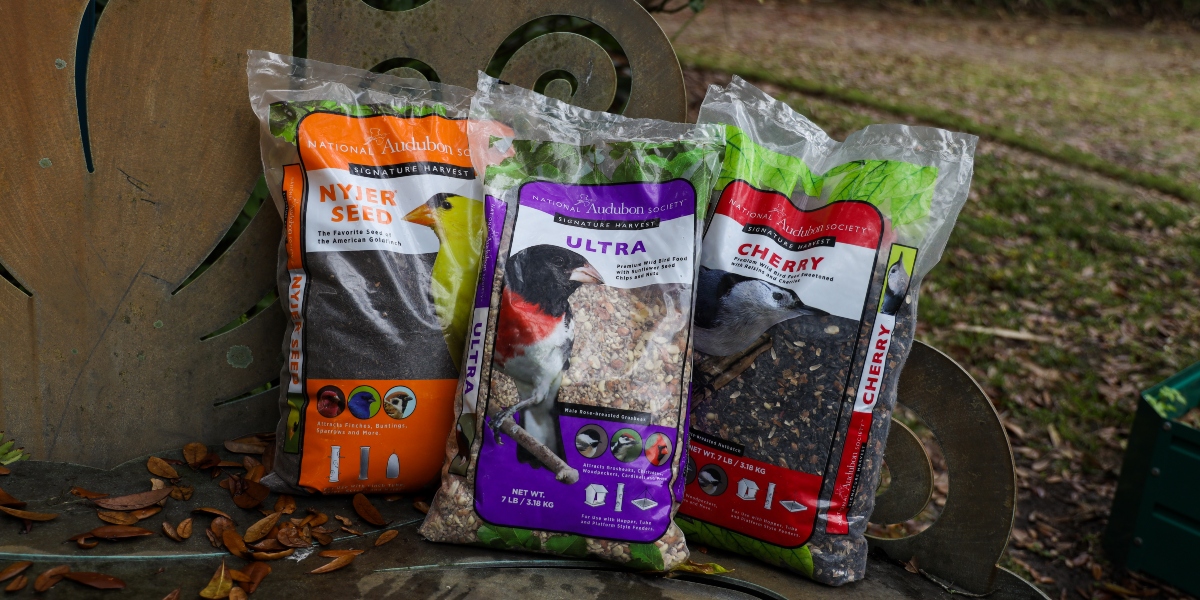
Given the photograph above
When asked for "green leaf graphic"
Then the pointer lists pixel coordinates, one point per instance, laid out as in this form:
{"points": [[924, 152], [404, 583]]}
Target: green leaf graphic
{"points": [[567, 545], [699, 532]]}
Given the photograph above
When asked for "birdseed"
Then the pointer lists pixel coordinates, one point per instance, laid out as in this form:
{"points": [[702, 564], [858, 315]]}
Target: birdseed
{"points": [[370, 372], [571, 419], [806, 305]]}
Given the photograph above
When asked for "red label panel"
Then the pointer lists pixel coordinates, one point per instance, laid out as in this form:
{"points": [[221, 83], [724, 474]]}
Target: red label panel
{"points": [[757, 499]]}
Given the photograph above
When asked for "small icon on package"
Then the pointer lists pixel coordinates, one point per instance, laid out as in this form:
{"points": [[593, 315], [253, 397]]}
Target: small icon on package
{"points": [[393, 467], [364, 453], [770, 495], [335, 463], [620, 496], [594, 495], [792, 505], [747, 490]]}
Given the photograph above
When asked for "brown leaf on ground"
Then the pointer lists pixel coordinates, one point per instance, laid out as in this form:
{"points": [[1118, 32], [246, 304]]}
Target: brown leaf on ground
{"points": [[260, 529], [386, 537], [49, 578], [87, 543], [185, 528], [234, 543], [17, 584], [333, 565], [285, 504], [237, 593], [208, 462], [316, 518], [219, 585], [82, 493], [170, 531], [346, 522], [256, 571], [337, 553], [267, 545], [183, 493], [160, 467], [293, 537], [911, 566], [119, 532], [145, 513], [352, 531], [14, 569], [213, 511], [421, 506], [99, 581], [213, 539], [27, 515], [238, 576], [174, 595], [6, 499], [4, 470], [367, 511], [322, 538], [133, 501], [220, 524], [116, 517], [255, 473], [273, 555], [193, 453], [393, 497], [249, 462], [254, 495], [250, 444]]}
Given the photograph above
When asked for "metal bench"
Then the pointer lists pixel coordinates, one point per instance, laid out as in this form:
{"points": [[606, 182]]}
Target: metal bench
{"points": [[110, 345]]}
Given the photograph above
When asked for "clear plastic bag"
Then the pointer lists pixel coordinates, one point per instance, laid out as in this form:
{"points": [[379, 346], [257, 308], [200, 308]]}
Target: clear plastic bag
{"points": [[383, 220], [574, 394], [806, 306]]}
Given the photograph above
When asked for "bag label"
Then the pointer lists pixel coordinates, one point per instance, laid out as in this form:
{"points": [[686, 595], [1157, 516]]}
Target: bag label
{"points": [[371, 380], [624, 236]]}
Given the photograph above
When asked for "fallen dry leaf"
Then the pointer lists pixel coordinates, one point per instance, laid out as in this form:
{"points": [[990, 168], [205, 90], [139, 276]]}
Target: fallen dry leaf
{"points": [[393, 497], [213, 539], [322, 538], [185, 528], [82, 493], [285, 504], [219, 585], [99, 581], [145, 513], [249, 462], [87, 543], [133, 501], [17, 584], [234, 543], [6, 499], [273, 555], [250, 444], [702, 568], [337, 553], [183, 493], [237, 593], [351, 531], [170, 531], [28, 516], [315, 518], [333, 565], [268, 545], [116, 517], [213, 511], [160, 467], [421, 506], [256, 571], [346, 522], [193, 453], [293, 537], [386, 537], [911, 566], [253, 496], [14, 569], [4, 470], [367, 511], [260, 529], [119, 532], [174, 595], [50, 577]]}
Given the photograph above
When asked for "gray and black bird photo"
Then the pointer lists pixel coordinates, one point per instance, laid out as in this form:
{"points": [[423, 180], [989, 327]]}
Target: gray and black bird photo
{"points": [[733, 310], [534, 335], [626, 447], [587, 442], [895, 290]]}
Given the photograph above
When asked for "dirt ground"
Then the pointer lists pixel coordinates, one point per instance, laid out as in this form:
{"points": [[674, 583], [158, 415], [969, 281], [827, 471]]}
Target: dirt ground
{"points": [[1102, 273]]}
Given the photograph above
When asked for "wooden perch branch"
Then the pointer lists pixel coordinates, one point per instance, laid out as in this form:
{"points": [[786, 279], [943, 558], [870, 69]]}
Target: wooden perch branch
{"points": [[562, 471]]}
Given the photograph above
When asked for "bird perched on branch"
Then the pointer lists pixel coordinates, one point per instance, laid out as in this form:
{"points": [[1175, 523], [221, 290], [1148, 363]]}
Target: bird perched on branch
{"points": [[534, 334], [733, 310], [457, 221], [897, 287]]}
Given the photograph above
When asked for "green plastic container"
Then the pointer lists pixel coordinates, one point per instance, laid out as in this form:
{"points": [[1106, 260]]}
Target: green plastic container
{"points": [[1155, 523]]}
